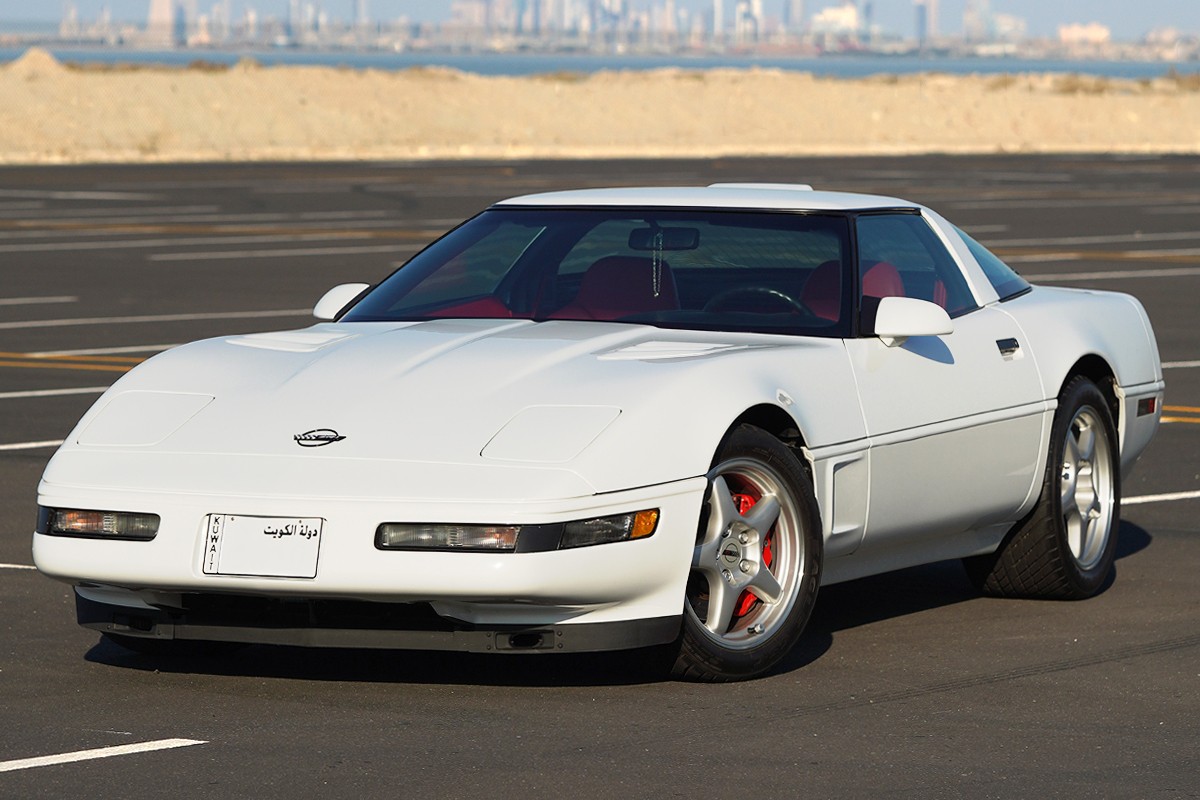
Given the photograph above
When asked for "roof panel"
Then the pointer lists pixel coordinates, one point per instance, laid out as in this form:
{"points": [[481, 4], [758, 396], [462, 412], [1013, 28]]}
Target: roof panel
{"points": [[782, 197]]}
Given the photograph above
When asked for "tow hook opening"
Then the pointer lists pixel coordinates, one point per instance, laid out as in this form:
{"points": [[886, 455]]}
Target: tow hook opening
{"points": [[527, 640]]}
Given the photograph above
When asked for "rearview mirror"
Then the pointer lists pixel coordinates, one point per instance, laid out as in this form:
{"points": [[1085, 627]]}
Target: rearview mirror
{"points": [[671, 239], [900, 318], [337, 298]]}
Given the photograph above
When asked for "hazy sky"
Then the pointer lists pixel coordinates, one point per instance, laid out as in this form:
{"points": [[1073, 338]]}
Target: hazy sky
{"points": [[1128, 18]]}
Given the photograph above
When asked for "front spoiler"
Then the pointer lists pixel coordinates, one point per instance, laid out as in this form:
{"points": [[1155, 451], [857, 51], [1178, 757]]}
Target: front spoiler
{"points": [[324, 624]]}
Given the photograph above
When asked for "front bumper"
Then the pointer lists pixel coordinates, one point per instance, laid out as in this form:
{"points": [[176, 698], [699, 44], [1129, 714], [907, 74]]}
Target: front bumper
{"points": [[643, 579]]}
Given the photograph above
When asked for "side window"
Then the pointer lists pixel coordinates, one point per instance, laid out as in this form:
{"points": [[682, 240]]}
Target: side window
{"points": [[900, 255], [1004, 279]]}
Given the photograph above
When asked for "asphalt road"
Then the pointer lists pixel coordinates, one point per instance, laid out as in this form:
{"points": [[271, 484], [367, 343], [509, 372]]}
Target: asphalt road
{"points": [[907, 685]]}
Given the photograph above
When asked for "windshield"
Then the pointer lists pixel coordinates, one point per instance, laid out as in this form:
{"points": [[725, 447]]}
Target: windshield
{"points": [[703, 270]]}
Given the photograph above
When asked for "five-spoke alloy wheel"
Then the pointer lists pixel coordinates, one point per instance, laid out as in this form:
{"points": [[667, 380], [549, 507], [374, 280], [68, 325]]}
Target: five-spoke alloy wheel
{"points": [[756, 564], [1065, 547]]}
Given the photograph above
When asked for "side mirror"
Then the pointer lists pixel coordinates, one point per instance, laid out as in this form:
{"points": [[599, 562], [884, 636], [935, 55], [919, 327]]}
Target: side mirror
{"points": [[337, 298], [900, 318]]}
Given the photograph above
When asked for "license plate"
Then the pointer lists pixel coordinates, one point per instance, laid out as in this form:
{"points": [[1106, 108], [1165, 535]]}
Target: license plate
{"points": [[271, 547]]}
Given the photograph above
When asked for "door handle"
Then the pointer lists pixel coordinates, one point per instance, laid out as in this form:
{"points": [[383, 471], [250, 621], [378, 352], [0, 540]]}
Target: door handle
{"points": [[1008, 346]]}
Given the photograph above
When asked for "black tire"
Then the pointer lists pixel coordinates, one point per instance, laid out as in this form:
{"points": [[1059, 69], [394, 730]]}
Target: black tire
{"points": [[762, 532], [1058, 551]]}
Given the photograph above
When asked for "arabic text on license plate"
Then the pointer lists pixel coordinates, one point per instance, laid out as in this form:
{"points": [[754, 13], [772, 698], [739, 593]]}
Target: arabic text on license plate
{"points": [[274, 547]]}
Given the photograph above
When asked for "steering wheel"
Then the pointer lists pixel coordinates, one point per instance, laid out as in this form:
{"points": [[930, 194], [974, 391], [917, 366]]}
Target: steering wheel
{"points": [[723, 300]]}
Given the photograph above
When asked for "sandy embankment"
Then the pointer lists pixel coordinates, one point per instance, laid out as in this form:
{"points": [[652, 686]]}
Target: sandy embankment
{"points": [[54, 113]]}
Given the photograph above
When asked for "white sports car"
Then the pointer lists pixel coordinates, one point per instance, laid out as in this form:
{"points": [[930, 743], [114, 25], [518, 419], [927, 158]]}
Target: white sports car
{"points": [[613, 419]]}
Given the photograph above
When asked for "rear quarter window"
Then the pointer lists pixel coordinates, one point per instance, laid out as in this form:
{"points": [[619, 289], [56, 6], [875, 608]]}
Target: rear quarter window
{"points": [[1003, 278]]}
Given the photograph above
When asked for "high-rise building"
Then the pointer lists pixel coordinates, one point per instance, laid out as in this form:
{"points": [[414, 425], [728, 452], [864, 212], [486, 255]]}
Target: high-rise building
{"points": [[977, 21], [535, 18], [69, 25], [295, 21], [793, 15], [362, 14], [717, 30], [160, 22], [927, 19], [747, 21], [840, 20]]}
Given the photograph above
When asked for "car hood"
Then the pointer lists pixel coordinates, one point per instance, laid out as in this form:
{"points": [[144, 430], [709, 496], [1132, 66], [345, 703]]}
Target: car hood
{"points": [[581, 407]]}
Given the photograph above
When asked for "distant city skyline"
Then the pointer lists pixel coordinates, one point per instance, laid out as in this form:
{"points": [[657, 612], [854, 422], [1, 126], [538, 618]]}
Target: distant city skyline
{"points": [[1128, 21]]}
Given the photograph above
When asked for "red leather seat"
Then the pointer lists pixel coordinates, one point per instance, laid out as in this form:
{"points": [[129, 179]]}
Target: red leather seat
{"points": [[618, 286], [822, 293], [939, 293], [484, 307], [882, 280]]}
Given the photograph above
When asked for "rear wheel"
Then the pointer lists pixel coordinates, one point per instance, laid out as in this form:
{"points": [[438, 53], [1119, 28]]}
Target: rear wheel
{"points": [[756, 565], [1066, 546]]}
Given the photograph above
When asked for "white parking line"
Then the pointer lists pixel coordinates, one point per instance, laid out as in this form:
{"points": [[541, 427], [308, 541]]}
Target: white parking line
{"points": [[210, 214], [18, 566], [312, 251], [1159, 498], [305, 229], [33, 301], [1122, 238], [99, 752], [1038, 258], [1173, 210], [981, 229], [1180, 364], [134, 244], [1116, 274], [1077, 202], [70, 214], [58, 323], [38, 194], [53, 392], [31, 445]]}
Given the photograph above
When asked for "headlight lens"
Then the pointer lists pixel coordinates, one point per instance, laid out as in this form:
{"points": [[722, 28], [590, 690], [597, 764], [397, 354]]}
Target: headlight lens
{"points": [[603, 530], [99, 524], [404, 536], [516, 538]]}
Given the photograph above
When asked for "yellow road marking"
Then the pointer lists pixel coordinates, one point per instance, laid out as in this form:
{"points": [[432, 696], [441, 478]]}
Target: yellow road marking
{"points": [[1184, 409], [31, 364], [1187, 420], [85, 359], [92, 359]]}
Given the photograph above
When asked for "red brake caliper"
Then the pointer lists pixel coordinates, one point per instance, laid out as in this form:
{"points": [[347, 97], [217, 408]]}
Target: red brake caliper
{"points": [[744, 503]]}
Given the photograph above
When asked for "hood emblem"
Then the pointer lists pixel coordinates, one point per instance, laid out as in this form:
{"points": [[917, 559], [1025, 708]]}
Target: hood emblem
{"points": [[318, 437]]}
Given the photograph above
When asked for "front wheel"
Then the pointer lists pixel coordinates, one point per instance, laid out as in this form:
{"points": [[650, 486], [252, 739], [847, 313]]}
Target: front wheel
{"points": [[756, 565], [1066, 546]]}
